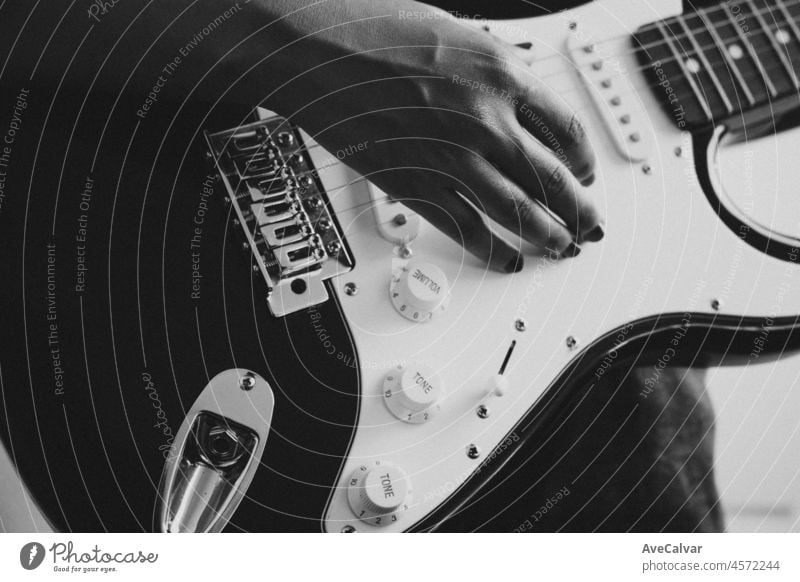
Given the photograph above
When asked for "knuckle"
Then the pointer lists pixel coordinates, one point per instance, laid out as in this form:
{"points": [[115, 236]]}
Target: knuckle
{"points": [[557, 182], [575, 130], [524, 210]]}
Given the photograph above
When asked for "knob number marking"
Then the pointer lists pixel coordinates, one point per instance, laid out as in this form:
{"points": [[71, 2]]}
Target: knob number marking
{"points": [[412, 393], [379, 493]]}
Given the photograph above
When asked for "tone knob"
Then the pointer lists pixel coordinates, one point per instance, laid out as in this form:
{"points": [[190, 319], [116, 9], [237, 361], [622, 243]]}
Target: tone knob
{"points": [[378, 493], [412, 393], [419, 291]]}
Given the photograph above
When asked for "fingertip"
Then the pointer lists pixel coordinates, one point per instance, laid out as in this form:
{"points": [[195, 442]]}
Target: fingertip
{"points": [[596, 234], [515, 264]]}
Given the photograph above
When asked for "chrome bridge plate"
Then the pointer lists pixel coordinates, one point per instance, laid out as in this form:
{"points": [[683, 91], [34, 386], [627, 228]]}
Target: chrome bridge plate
{"points": [[282, 210]]}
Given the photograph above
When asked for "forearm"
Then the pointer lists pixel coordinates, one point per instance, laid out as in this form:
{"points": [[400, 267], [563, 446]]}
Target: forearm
{"points": [[262, 47]]}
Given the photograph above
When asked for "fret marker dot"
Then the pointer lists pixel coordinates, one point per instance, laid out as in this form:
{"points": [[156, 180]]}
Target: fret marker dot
{"points": [[735, 51], [692, 66], [782, 36]]}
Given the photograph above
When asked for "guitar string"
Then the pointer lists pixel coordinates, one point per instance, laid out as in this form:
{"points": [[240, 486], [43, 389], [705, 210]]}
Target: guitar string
{"points": [[633, 85], [663, 42]]}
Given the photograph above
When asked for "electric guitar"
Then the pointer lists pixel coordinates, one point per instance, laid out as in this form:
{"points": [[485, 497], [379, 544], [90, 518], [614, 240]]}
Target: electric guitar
{"points": [[209, 322]]}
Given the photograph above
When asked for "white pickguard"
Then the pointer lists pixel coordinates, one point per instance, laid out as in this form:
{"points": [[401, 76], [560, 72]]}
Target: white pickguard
{"points": [[665, 251]]}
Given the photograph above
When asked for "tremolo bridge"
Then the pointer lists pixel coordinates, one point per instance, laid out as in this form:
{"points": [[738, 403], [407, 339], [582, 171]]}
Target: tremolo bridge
{"points": [[283, 211]]}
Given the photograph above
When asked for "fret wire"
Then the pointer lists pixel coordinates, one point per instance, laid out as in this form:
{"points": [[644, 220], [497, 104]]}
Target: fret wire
{"points": [[751, 51], [689, 77], [775, 45], [702, 13], [723, 48], [789, 20], [701, 54]]}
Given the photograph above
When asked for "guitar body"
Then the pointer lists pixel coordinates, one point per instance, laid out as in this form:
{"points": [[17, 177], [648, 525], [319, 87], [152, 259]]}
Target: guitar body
{"points": [[126, 289]]}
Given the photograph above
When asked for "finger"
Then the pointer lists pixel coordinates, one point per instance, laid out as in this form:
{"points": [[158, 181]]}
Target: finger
{"points": [[507, 204], [552, 122], [462, 222], [542, 176]]}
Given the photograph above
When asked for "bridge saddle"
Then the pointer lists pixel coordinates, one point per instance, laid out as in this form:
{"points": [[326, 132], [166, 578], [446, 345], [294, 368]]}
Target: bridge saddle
{"points": [[283, 211]]}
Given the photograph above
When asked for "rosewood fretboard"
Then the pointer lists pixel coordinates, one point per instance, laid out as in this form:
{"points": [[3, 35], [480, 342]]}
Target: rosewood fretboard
{"points": [[724, 61]]}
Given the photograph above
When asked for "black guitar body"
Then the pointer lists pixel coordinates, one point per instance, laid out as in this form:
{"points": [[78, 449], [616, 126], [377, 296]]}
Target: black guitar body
{"points": [[100, 366]]}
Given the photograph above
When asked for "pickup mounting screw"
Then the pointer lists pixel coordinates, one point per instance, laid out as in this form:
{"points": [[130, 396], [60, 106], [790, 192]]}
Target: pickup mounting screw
{"points": [[483, 411], [351, 288], [520, 325], [572, 342], [248, 382], [473, 452]]}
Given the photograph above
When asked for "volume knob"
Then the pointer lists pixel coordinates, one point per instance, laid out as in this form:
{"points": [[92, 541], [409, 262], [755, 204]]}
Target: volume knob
{"points": [[378, 493], [412, 393], [419, 291]]}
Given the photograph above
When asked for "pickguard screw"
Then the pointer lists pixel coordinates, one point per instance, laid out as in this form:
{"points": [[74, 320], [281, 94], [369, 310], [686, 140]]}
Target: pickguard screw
{"points": [[572, 342], [520, 325], [573, 25], [679, 151], [334, 247], [647, 169], [348, 529], [483, 411], [400, 219], [248, 382], [716, 304], [473, 452], [405, 251], [351, 288]]}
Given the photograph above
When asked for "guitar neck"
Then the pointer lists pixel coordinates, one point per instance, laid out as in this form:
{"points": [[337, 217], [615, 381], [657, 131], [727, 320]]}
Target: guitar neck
{"points": [[724, 61]]}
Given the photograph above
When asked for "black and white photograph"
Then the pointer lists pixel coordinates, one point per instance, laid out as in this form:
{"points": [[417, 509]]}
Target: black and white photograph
{"points": [[307, 267]]}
